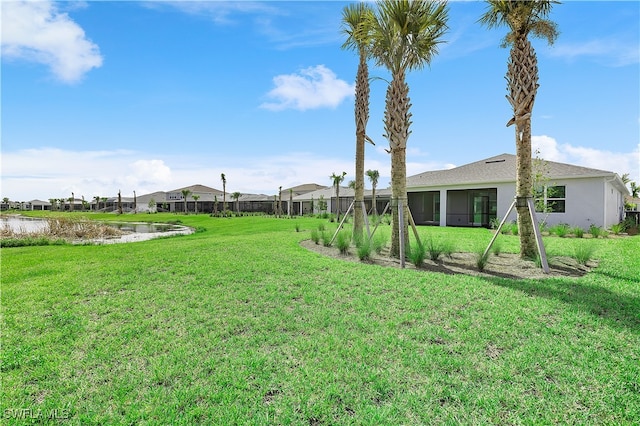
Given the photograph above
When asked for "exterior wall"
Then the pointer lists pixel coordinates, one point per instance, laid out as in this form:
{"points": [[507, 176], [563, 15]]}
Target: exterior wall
{"points": [[588, 201], [584, 204], [613, 205]]}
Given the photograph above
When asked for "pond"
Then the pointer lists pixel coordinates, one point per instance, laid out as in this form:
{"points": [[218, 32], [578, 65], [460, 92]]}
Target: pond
{"points": [[132, 231]]}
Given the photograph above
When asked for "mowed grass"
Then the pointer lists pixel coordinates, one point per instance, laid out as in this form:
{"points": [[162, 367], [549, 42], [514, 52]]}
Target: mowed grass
{"points": [[237, 324]]}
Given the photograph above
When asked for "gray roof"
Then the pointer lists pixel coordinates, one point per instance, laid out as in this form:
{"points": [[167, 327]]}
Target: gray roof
{"points": [[330, 192], [303, 189], [501, 168], [199, 189]]}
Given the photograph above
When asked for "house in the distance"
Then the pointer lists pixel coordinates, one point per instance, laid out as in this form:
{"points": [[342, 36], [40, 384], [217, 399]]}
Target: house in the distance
{"points": [[476, 193]]}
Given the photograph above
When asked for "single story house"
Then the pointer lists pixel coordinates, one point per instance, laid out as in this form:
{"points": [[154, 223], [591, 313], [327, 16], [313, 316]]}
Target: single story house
{"points": [[477, 193], [173, 200], [309, 203]]}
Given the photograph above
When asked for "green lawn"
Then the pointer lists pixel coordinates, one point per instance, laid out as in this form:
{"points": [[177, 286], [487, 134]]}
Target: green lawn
{"points": [[237, 324]]}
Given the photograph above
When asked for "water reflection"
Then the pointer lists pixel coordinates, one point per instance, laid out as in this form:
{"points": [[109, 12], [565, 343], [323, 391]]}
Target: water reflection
{"points": [[132, 231]]}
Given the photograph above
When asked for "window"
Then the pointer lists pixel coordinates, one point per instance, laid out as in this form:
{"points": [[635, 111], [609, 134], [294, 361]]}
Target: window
{"points": [[551, 199]]}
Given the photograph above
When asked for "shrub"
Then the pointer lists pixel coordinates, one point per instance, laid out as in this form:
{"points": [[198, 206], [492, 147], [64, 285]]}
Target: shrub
{"points": [[435, 249], [629, 222], [561, 230], [364, 249], [315, 236], [297, 227], [343, 241], [379, 243], [321, 227], [416, 254], [513, 227], [577, 231], [584, 253], [481, 258], [326, 238], [497, 247], [617, 229], [596, 231], [30, 241]]}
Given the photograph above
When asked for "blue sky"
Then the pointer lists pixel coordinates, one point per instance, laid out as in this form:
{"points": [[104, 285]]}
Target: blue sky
{"points": [[144, 96]]}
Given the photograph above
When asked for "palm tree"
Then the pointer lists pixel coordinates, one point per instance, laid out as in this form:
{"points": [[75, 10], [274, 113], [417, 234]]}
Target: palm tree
{"points": [[405, 35], [337, 180], [135, 203], [224, 193], [185, 194], [52, 201], [196, 198], [97, 198], [236, 196], [72, 200], [634, 189], [279, 201], [119, 202], [373, 176], [522, 18], [104, 202], [355, 20], [290, 202]]}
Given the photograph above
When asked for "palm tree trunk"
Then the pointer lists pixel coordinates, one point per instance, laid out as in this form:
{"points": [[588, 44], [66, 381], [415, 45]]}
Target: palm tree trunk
{"points": [[338, 203], [362, 117], [373, 200], [522, 78], [397, 120]]}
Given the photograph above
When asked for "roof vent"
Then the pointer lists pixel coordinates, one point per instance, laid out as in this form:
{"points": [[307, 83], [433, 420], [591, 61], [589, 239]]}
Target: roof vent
{"points": [[494, 161]]}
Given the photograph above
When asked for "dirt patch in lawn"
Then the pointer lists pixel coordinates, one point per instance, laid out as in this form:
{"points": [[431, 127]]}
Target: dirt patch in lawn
{"points": [[504, 265]]}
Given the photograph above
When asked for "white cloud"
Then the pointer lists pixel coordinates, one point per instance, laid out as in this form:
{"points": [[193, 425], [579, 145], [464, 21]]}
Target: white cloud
{"points": [[313, 87], [45, 173], [219, 12], [53, 173], [36, 31], [611, 51], [618, 162]]}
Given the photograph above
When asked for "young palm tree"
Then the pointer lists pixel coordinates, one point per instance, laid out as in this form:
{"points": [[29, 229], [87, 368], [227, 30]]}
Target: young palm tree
{"points": [[224, 193], [290, 202], [373, 176], [337, 180], [236, 196], [405, 37], [523, 18], [355, 19], [196, 198], [185, 194], [634, 189]]}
